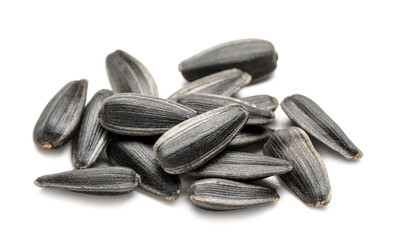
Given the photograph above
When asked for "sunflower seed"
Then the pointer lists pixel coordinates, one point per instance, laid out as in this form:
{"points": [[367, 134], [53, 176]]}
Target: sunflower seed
{"points": [[308, 179], [127, 74], [309, 116], [92, 137], [263, 101], [242, 166], [195, 141], [249, 135], [101, 181], [221, 194], [254, 56], [59, 119], [205, 102], [140, 115], [138, 155], [226, 83]]}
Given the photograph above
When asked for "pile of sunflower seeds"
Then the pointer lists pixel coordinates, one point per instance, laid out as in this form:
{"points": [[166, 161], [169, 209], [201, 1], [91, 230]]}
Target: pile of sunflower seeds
{"points": [[197, 131]]}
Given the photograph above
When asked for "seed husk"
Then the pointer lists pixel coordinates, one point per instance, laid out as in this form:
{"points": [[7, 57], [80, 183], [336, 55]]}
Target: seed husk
{"points": [[100, 181], [222, 195], [242, 166], [310, 117], [127, 74], [195, 141], [249, 135], [226, 83], [137, 154], [91, 138], [254, 56], [201, 103], [308, 179], [139, 115], [60, 118], [263, 101]]}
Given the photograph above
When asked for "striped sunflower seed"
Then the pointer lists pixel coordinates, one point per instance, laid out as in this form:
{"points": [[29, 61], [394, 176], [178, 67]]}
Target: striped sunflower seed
{"points": [[249, 135], [226, 83], [308, 179], [139, 115], [135, 153], [263, 101], [101, 181], [127, 74], [220, 194], [254, 56], [242, 166], [193, 142], [91, 138], [205, 102], [60, 118], [309, 116]]}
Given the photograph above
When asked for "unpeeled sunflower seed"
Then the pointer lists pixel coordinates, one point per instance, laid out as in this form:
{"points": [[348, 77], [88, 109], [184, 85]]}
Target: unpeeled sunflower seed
{"points": [[139, 115], [226, 83], [254, 56], [135, 153], [91, 137], [309, 116], [263, 101], [101, 181], [221, 195], [201, 102], [127, 74], [249, 135], [195, 141], [308, 179], [60, 118]]}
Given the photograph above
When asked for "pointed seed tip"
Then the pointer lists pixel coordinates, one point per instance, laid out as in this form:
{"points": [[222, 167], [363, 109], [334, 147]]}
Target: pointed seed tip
{"points": [[37, 183], [358, 156], [47, 146]]}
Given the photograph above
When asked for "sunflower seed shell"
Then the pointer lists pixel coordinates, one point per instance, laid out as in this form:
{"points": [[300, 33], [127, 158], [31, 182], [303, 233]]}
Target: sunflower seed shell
{"points": [[250, 135], [263, 101]]}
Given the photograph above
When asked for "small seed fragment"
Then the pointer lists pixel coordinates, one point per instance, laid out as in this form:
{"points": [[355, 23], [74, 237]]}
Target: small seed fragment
{"points": [[242, 166], [60, 118], [309, 116], [135, 153], [263, 101], [101, 181], [308, 179], [254, 56], [201, 103], [195, 141], [139, 115], [249, 135], [222, 195], [226, 83], [127, 74]]}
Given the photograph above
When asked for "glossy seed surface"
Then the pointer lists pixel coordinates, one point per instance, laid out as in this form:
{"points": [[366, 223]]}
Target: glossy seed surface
{"points": [[139, 115], [263, 101], [308, 179], [101, 181], [195, 141], [254, 56], [309, 116], [220, 194], [127, 74], [226, 83], [242, 166], [250, 135], [137, 154], [60, 118]]}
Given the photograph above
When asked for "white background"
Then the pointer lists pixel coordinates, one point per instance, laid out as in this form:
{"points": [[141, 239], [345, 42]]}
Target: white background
{"points": [[340, 54]]}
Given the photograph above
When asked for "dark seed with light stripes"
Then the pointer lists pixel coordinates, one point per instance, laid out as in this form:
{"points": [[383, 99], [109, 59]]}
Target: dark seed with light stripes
{"points": [[101, 181], [195, 141], [137, 154], [226, 83], [263, 101], [220, 194], [127, 74], [91, 138], [60, 118], [139, 115], [250, 135], [242, 166], [309, 116], [254, 56], [204, 102], [308, 179]]}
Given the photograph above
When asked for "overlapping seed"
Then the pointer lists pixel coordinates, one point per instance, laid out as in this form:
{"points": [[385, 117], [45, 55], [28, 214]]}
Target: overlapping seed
{"points": [[263, 101], [249, 135]]}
